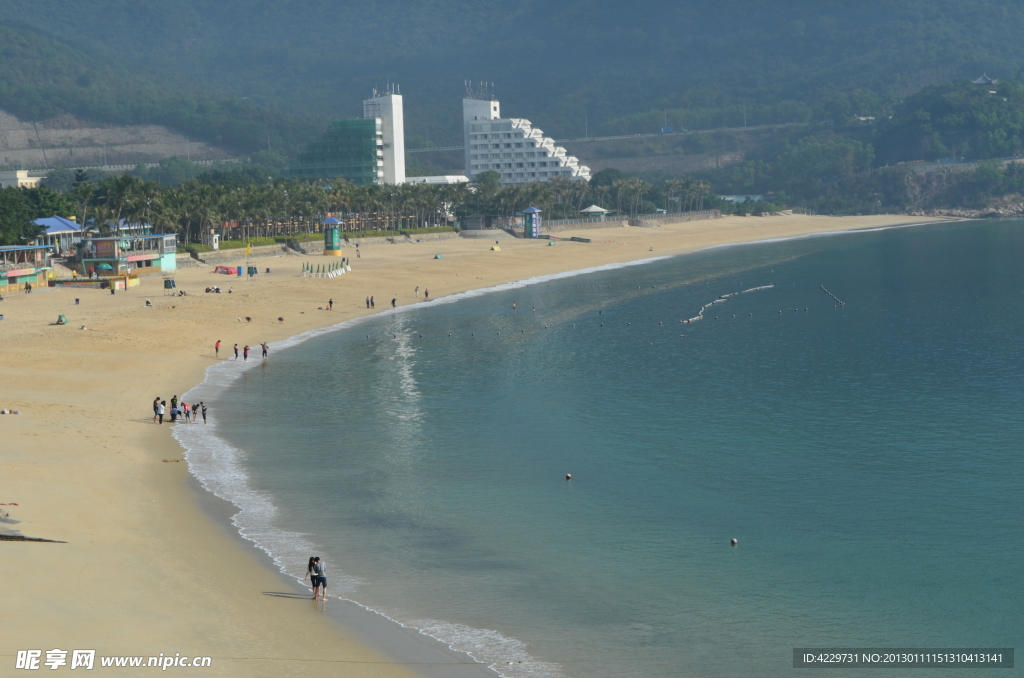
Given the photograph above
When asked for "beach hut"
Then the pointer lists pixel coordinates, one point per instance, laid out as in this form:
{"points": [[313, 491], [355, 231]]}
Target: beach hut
{"points": [[22, 265], [128, 254]]}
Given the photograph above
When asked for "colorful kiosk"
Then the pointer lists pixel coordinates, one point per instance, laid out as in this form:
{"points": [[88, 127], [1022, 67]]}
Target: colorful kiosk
{"points": [[332, 237], [23, 267], [531, 222]]}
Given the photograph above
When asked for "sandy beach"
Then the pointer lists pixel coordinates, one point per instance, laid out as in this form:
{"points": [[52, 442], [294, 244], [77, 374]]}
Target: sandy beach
{"points": [[146, 566]]}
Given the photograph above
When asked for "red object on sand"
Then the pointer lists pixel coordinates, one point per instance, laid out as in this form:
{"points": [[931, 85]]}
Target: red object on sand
{"points": [[229, 270]]}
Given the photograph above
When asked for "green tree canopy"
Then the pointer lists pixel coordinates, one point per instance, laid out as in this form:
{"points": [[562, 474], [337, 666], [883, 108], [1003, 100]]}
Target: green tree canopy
{"points": [[16, 227]]}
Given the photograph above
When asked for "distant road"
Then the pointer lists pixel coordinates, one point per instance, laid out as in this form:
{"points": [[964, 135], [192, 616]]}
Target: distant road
{"points": [[128, 167], [634, 136]]}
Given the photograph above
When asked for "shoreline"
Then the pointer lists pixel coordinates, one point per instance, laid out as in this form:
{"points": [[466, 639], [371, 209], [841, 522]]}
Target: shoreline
{"points": [[83, 471]]}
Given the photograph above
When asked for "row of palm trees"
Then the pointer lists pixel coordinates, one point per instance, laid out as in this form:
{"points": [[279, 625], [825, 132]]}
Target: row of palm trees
{"points": [[288, 207]]}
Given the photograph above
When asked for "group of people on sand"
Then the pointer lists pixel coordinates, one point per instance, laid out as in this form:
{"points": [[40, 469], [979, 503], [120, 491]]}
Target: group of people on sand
{"points": [[179, 411], [264, 347], [316, 573]]}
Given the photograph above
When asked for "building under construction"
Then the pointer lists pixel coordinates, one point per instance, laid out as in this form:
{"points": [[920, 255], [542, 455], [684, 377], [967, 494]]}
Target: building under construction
{"points": [[367, 150]]}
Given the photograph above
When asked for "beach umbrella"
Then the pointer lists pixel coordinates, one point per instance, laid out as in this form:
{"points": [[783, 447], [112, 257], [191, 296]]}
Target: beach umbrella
{"points": [[105, 267], [331, 221]]}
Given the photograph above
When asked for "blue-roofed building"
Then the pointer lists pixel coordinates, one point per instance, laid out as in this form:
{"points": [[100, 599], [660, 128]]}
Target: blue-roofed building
{"points": [[59, 233]]}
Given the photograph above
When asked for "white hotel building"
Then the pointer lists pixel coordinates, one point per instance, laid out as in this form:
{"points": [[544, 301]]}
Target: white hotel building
{"points": [[513, 147]]}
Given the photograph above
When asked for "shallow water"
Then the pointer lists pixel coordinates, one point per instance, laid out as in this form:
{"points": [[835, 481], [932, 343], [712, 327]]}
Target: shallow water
{"points": [[866, 457]]}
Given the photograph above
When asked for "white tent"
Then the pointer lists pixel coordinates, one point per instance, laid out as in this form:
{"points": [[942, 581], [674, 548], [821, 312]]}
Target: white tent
{"points": [[595, 211]]}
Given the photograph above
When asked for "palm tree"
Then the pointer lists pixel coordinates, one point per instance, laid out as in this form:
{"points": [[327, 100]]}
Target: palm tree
{"points": [[672, 187]]}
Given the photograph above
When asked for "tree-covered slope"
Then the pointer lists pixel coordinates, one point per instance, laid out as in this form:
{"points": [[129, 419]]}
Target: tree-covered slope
{"points": [[605, 64]]}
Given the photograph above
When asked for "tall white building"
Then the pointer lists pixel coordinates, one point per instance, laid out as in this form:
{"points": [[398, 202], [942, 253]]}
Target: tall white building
{"points": [[388, 107], [512, 147]]}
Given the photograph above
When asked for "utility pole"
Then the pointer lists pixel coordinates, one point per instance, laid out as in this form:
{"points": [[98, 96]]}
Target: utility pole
{"points": [[744, 113]]}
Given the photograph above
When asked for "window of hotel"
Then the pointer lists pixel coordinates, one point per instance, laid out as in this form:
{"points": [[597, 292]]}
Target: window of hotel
{"points": [[519, 145], [519, 164], [519, 155]]}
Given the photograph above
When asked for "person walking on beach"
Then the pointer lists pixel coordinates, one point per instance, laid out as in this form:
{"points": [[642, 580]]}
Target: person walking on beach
{"points": [[156, 408], [393, 300], [195, 411], [312, 577], [417, 291], [265, 348], [320, 572], [245, 354], [330, 304], [367, 302], [160, 409], [373, 304], [204, 411], [174, 402], [236, 351], [216, 349], [426, 294]]}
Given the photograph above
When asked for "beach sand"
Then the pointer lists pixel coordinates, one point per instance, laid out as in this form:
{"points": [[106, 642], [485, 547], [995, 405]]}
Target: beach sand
{"points": [[145, 568]]}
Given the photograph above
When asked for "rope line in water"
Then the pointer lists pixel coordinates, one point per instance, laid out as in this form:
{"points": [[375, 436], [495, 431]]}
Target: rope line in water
{"points": [[834, 297], [725, 297]]}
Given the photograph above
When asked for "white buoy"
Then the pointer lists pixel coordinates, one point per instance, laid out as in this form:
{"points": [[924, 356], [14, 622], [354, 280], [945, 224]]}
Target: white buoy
{"points": [[568, 476], [735, 541]]}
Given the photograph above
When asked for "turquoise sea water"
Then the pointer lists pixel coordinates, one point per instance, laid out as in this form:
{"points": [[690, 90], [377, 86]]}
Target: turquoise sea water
{"points": [[866, 457]]}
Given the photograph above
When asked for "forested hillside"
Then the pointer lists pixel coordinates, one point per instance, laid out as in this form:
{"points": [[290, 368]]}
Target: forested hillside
{"points": [[219, 67]]}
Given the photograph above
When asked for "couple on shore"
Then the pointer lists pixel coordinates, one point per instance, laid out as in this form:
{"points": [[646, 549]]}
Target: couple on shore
{"points": [[316, 572]]}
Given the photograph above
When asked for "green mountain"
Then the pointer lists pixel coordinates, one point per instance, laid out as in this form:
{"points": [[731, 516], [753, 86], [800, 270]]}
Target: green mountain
{"points": [[235, 69]]}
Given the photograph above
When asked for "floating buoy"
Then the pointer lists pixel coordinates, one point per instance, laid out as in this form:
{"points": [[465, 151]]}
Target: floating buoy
{"points": [[735, 541], [568, 476]]}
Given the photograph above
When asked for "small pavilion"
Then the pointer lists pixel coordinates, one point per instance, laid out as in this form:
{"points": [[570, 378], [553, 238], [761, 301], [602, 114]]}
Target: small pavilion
{"points": [[594, 211]]}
